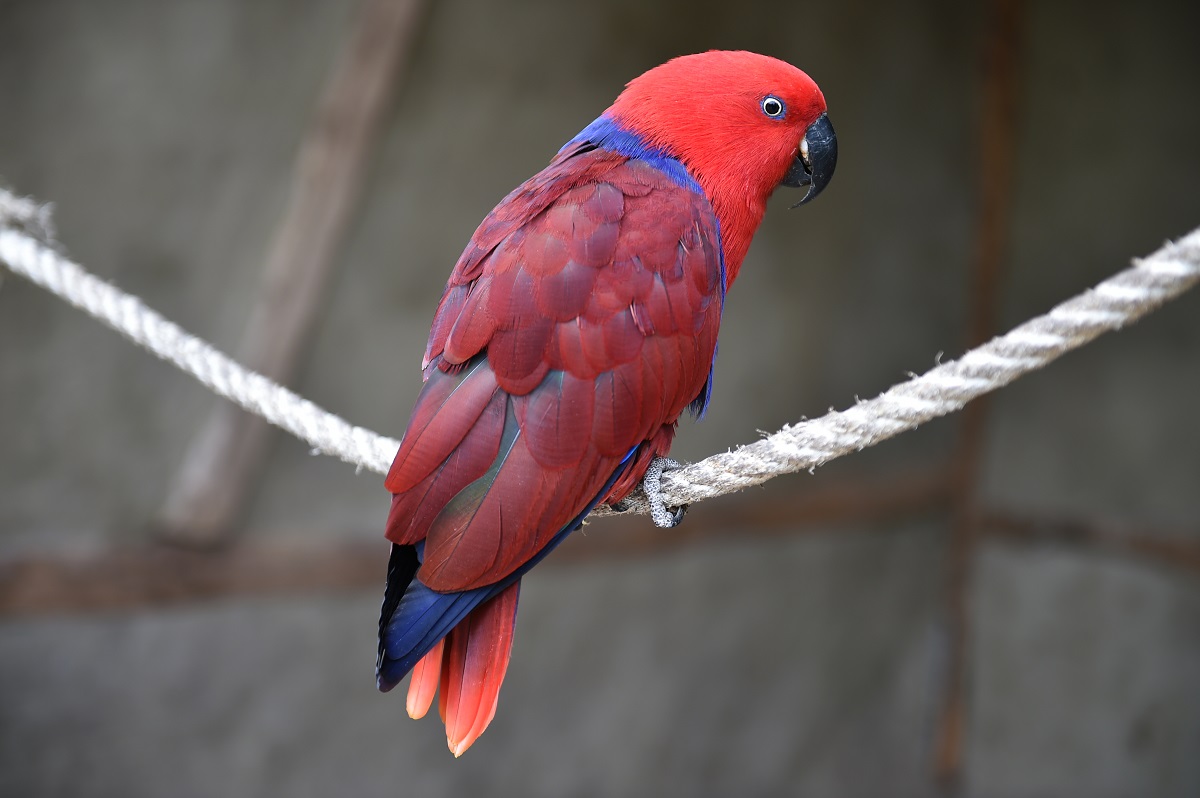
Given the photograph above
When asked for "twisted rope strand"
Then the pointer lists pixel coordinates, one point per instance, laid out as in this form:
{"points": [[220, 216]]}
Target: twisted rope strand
{"points": [[128, 315], [27, 247], [27, 215]]}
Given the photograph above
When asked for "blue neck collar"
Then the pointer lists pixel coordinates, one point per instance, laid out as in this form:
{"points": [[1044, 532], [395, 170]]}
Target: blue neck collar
{"points": [[607, 134]]}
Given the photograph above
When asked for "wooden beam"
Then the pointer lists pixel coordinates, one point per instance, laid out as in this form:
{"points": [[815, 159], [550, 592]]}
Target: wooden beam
{"points": [[1177, 548], [809, 509], [154, 576]]}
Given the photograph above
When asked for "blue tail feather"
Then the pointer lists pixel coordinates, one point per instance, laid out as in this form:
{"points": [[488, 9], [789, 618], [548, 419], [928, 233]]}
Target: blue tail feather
{"points": [[415, 618]]}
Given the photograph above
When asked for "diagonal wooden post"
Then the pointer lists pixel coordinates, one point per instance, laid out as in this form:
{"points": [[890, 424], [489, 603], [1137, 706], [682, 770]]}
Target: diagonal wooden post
{"points": [[222, 463]]}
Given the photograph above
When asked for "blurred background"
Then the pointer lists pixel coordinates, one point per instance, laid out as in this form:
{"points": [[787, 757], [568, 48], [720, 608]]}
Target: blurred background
{"points": [[1003, 603]]}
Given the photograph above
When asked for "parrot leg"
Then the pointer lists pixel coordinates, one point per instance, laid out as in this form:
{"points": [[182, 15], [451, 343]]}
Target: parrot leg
{"points": [[664, 517]]}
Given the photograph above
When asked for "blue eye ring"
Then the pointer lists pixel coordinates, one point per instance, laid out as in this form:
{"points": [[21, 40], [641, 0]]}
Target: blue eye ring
{"points": [[773, 107]]}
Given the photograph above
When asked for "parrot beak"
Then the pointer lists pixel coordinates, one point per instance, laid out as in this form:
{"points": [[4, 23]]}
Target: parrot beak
{"points": [[814, 163]]}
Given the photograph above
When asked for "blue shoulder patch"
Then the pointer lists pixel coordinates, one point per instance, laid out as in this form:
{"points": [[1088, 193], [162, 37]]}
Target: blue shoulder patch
{"points": [[606, 133]]}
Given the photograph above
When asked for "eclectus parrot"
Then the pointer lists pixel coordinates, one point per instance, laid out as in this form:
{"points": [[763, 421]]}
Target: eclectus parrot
{"points": [[577, 326]]}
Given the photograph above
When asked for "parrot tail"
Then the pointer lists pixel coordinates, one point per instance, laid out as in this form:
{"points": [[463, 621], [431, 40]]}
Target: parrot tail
{"points": [[456, 644], [467, 665], [474, 659], [414, 618]]}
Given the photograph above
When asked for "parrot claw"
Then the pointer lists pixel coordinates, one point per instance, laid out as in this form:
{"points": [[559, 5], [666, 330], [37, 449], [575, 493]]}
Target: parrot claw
{"points": [[664, 517]]}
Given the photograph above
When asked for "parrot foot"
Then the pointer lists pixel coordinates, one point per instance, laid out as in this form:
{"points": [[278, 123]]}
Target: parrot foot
{"points": [[664, 517]]}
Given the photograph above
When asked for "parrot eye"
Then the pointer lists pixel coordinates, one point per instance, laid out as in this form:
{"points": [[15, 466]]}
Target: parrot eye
{"points": [[773, 107]]}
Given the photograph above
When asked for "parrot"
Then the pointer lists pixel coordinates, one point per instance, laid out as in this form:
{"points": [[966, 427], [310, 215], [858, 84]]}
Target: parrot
{"points": [[576, 328]]}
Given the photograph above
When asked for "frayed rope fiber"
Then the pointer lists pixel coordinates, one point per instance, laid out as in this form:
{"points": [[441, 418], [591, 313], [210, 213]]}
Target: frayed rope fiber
{"points": [[28, 248]]}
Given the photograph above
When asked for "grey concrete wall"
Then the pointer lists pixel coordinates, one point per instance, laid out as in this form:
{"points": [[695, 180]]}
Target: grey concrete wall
{"points": [[809, 665]]}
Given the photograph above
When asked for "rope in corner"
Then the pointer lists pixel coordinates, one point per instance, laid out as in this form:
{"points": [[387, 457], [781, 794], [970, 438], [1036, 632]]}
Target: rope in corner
{"points": [[37, 259], [28, 248]]}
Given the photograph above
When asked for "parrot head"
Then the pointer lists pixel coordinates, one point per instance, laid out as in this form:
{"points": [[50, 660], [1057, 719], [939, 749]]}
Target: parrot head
{"points": [[743, 124]]}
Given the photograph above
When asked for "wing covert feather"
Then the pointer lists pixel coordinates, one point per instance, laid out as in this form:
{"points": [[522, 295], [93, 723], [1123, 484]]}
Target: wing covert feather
{"points": [[578, 325]]}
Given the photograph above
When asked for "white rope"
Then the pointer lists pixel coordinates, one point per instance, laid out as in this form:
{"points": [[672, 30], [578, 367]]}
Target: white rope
{"points": [[26, 215], [29, 257], [27, 248], [1117, 301]]}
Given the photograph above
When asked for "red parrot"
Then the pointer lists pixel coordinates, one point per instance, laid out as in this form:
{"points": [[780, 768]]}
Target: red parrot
{"points": [[577, 326]]}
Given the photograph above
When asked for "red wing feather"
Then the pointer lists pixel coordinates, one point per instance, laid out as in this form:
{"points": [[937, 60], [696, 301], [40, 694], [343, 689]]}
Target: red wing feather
{"points": [[557, 418], [414, 510], [499, 522], [446, 404], [581, 293]]}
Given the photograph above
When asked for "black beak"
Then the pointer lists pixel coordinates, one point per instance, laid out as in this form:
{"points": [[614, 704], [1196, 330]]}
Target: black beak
{"points": [[814, 163]]}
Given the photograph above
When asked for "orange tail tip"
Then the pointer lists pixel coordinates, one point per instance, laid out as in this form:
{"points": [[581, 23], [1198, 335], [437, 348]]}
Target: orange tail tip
{"points": [[424, 683], [473, 669]]}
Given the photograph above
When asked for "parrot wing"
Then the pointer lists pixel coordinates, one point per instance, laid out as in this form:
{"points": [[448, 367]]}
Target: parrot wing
{"points": [[580, 322]]}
